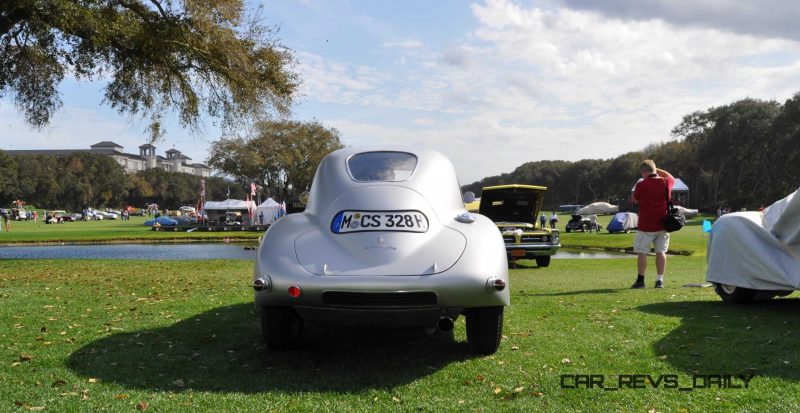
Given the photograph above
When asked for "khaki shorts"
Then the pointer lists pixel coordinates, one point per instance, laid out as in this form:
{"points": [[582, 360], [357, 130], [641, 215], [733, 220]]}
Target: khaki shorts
{"points": [[643, 241]]}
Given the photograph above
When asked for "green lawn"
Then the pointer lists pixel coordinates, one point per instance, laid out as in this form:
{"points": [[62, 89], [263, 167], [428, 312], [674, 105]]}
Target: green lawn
{"points": [[110, 335], [690, 240], [108, 231]]}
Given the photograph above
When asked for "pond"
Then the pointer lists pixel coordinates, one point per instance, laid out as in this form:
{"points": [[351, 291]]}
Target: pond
{"points": [[206, 251]]}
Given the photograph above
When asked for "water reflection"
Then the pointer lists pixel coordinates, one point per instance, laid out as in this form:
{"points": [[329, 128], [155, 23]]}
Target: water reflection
{"points": [[132, 251]]}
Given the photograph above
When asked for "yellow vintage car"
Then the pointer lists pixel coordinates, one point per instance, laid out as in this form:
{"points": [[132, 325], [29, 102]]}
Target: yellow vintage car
{"points": [[514, 209]]}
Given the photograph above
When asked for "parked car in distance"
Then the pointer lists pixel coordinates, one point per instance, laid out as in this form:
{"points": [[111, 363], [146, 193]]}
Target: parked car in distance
{"points": [[384, 241], [578, 223], [515, 210]]}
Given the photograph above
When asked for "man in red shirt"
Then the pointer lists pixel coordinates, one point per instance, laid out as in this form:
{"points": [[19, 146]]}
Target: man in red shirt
{"points": [[651, 193]]}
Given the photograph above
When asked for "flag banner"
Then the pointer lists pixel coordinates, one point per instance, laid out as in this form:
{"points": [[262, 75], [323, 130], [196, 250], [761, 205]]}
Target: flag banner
{"points": [[252, 189], [706, 225]]}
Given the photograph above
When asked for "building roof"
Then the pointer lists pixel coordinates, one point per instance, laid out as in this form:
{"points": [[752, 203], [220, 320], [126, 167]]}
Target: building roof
{"points": [[106, 144], [53, 152], [132, 156], [146, 146], [173, 150]]}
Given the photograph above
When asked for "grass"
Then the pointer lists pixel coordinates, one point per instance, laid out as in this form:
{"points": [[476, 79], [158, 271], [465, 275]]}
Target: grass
{"points": [[109, 335], [107, 231], [690, 240]]}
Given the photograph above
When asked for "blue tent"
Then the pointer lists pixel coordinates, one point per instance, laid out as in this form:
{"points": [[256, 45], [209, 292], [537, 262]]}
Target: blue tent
{"points": [[623, 222]]}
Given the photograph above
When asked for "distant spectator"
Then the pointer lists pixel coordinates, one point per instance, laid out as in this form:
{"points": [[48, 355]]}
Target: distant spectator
{"points": [[593, 222], [542, 220], [7, 220], [553, 220]]}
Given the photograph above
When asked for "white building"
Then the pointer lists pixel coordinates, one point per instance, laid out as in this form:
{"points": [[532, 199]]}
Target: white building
{"points": [[147, 158]]}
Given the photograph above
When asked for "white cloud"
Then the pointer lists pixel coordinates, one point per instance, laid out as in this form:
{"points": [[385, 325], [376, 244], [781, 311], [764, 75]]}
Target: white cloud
{"points": [[404, 44], [535, 83]]}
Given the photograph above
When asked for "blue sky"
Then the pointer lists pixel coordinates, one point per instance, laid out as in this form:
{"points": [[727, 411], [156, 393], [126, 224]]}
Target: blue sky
{"points": [[492, 84]]}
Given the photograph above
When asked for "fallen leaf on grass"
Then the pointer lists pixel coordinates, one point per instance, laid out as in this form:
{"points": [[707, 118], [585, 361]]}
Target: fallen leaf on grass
{"points": [[58, 383], [514, 348], [34, 408], [497, 390], [121, 396], [566, 361], [664, 357], [25, 357], [142, 406]]}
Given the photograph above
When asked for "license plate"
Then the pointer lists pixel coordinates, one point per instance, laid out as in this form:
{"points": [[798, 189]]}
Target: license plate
{"points": [[517, 253], [363, 221]]}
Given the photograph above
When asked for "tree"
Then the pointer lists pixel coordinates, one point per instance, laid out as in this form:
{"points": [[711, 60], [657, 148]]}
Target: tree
{"points": [[8, 179], [282, 155], [192, 56]]}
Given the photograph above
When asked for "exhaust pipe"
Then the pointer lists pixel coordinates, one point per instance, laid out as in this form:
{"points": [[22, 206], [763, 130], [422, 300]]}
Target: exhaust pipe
{"points": [[445, 324]]}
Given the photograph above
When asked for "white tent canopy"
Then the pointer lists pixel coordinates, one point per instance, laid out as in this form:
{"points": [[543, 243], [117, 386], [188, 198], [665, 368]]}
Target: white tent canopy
{"points": [[599, 208], [265, 213], [229, 205]]}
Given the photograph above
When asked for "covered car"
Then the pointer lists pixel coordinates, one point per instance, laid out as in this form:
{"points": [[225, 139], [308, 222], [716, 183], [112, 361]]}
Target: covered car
{"points": [[756, 255], [598, 208], [623, 222], [688, 212], [384, 241], [162, 220], [514, 209]]}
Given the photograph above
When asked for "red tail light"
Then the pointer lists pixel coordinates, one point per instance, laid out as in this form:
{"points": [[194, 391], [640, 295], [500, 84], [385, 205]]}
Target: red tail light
{"points": [[294, 291]]}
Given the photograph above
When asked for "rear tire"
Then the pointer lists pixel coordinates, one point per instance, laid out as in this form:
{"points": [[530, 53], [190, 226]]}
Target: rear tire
{"points": [[543, 261], [484, 329], [280, 327], [734, 294]]}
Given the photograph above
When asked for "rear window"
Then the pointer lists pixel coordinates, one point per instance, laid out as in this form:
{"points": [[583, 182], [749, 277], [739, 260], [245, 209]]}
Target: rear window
{"points": [[382, 166]]}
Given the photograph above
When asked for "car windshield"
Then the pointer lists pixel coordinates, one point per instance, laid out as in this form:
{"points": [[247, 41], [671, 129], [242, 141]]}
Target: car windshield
{"points": [[382, 166], [510, 205]]}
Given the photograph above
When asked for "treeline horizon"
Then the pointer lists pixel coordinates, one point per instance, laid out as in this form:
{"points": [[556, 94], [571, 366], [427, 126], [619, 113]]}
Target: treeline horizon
{"points": [[742, 155], [84, 180]]}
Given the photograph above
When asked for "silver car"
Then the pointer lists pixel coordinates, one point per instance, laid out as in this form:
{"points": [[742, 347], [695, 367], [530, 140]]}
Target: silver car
{"points": [[384, 241]]}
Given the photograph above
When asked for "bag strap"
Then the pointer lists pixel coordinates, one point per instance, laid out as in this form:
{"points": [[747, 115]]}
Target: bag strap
{"points": [[666, 195]]}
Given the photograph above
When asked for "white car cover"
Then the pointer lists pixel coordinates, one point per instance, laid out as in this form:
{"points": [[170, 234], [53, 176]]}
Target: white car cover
{"points": [[598, 208], [757, 250], [687, 212]]}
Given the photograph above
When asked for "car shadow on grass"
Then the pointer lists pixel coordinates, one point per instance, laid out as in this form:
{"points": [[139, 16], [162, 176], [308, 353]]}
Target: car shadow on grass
{"points": [[719, 338], [597, 291], [222, 351]]}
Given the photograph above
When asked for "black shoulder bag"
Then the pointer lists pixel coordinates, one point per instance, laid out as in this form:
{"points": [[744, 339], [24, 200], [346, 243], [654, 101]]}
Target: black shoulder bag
{"points": [[674, 219]]}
